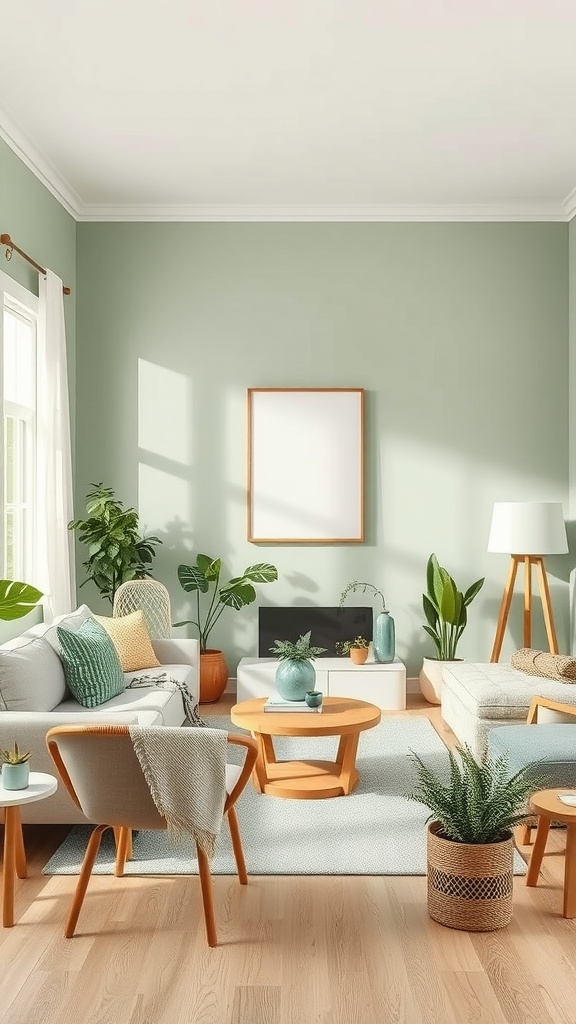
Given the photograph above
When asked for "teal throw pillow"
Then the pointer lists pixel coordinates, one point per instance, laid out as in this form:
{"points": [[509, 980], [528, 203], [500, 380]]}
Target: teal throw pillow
{"points": [[91, 665]]}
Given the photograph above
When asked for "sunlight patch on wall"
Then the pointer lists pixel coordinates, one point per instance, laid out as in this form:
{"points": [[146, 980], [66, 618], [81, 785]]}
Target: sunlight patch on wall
{"points": [[163, 412], [162, 498]]}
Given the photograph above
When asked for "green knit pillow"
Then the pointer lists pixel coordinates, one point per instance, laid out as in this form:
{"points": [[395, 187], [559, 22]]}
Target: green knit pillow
{"points": [[91, 665]]}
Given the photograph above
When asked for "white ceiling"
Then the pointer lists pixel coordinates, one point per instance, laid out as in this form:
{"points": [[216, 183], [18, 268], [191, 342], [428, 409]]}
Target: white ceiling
{"points": [[295, 109]]}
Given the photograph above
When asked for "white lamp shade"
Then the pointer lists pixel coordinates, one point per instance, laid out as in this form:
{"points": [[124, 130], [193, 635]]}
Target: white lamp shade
{"points": [[528, 528]]}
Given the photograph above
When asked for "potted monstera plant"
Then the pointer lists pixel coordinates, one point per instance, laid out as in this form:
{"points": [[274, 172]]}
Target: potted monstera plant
{"points": [[445, 608], [212, 599]]}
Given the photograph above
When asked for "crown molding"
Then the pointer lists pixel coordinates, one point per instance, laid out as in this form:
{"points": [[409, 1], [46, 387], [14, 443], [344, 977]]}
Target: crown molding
{"points": [[40, 166], [505, 212], [47, 174], [569, 205]]}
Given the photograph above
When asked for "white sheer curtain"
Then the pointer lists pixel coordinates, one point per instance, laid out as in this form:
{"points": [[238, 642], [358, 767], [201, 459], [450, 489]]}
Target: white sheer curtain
{"points": [[54, 542]]}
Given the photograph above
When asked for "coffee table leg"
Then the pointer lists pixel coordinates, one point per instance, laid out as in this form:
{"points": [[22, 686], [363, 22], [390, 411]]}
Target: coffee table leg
{"points": [[346, 758], [259, 775], [569, 909], [11, 826], [538, 850]]}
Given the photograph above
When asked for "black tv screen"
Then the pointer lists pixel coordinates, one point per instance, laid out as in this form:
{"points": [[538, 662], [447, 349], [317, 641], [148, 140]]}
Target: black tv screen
{"points": [[328, 625]]}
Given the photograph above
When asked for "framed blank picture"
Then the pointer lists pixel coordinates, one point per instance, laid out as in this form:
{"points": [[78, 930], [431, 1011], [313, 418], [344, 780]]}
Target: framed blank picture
{"points": [[306, 465]]}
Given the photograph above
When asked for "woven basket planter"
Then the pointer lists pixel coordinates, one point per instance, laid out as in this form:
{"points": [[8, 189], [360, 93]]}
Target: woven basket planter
{"points": [[469, 886]]}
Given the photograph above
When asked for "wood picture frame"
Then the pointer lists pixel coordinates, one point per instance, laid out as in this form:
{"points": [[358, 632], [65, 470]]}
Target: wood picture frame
{"points": [[306, 465]]}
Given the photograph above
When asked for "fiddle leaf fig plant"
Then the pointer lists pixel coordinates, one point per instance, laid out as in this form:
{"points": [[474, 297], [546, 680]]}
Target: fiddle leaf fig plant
{"points": [[17, 599], [204, 578], [445, 608], [116, 550]]}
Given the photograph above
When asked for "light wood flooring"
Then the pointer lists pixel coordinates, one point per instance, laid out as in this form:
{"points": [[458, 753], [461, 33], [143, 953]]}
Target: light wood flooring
{"points": [[294, 950]]}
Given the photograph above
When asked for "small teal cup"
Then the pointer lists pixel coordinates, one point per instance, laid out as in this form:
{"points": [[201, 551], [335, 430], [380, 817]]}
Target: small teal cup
{"points": [[313, 698]]}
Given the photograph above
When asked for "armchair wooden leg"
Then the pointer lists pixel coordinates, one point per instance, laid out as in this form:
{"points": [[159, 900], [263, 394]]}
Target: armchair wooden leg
{"points": [[123, 846], [237, 846], [85, 872], [207, 898]]}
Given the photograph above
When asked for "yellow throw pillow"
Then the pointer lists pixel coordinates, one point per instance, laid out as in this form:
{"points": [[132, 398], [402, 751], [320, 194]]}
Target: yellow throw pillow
{"points": [[130, 636]]}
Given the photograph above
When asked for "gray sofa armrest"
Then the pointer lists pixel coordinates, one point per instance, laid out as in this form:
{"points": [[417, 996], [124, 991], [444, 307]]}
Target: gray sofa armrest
{"points": [[177, 651]]}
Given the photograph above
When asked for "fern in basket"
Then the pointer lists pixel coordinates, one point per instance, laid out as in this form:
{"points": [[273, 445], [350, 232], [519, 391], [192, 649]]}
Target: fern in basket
{"points": [[479, 803]]}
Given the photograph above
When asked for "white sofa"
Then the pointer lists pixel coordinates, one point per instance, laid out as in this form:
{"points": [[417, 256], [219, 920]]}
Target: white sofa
{"points": [[34, 698], [477, 697]]}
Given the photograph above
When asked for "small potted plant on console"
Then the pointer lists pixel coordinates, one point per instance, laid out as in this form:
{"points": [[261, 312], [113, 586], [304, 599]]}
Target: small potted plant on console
{"points": [[357, 649]]}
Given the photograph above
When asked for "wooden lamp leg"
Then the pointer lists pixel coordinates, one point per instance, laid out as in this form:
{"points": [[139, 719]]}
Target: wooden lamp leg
{"points": [[527, 601], [546, 605], [505, 608]]}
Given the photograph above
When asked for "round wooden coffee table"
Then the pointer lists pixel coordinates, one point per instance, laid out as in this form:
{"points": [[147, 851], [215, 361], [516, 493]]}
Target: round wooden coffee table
{"points": [[549, 808], [306, 780]]}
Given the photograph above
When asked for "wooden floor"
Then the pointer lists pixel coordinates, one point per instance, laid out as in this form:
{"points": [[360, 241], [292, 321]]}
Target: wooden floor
{"points": [[294, 950]]}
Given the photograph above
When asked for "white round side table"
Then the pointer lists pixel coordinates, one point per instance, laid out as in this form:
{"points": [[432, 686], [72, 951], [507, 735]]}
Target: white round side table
{"points": [[41, 785]]}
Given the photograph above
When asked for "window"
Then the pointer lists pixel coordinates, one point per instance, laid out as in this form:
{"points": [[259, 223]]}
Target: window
{"points": [[18, 429]]}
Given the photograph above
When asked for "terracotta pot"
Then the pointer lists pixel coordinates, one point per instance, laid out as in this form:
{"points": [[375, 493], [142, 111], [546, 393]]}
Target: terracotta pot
{"points": [[358, 655], [213, 676], [470, 886], [430, 679]]}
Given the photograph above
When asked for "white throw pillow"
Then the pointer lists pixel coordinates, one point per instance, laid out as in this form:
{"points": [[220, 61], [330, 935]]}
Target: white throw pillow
{"points": [[31, 675]]}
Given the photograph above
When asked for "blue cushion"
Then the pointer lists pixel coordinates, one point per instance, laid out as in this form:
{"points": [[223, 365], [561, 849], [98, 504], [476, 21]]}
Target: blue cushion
{"points": [[553, 745]]}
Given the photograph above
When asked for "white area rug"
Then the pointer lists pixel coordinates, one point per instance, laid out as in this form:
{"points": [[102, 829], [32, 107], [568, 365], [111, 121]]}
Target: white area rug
{"points": [[374, 831]]}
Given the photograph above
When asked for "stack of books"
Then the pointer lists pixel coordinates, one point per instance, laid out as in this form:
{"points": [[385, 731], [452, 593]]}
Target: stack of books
{"points": [[278, 703]]}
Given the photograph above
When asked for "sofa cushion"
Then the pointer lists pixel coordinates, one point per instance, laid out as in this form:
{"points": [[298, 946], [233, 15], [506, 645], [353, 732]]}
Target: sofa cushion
{"points": [[130, 636], [493, 691], [553, 745], [31, 675], [91, 665]]}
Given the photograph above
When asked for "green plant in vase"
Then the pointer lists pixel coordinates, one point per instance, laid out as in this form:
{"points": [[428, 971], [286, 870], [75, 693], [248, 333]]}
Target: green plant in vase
{"points": [[445, 608], [384, 628], [295, 675]]}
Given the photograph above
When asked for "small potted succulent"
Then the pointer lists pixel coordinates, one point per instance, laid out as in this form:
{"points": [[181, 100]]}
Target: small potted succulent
{"points": [[15, 768], [357, 649], [296, 675]]}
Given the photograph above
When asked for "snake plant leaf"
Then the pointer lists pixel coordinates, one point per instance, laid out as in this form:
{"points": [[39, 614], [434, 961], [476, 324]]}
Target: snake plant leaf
{"points": [[448, 602], [430, 611], [17, 599], [473, 590], [191, 579]]}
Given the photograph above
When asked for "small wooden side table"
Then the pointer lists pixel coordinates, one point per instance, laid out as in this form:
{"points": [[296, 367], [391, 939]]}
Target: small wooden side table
{"points": [[41, 786], [549, 808]]}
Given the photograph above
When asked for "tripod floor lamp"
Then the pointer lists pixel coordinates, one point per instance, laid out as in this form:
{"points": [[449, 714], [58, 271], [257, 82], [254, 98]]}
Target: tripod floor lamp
{"points": [[527, 530]]}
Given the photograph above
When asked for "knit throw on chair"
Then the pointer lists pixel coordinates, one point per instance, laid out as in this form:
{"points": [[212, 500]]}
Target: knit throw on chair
{"points": [[166, 682], [186, 773]]}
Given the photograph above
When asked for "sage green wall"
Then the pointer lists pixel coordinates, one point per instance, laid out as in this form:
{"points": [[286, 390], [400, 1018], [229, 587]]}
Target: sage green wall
{"points": [[572, 426], [40, 225], [458, 332]]}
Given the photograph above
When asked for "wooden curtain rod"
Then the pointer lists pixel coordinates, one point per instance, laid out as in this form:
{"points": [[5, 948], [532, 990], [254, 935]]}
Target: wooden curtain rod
{"points": [[6, 240]]}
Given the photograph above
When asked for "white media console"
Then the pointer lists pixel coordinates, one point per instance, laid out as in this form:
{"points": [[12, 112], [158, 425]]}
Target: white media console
{"points": [[382, 685]]}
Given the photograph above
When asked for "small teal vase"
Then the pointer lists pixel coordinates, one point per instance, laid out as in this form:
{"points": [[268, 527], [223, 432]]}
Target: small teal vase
{"points": [[313, 698], [294, 679], [384, 638]]}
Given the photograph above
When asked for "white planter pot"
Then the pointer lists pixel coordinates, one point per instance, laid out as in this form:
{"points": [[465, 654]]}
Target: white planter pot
{"points": [[430, 678]]}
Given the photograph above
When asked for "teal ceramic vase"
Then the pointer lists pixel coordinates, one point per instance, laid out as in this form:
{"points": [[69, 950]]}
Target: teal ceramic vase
{"points": [[16, 776], [294, 678], [384, 640]]}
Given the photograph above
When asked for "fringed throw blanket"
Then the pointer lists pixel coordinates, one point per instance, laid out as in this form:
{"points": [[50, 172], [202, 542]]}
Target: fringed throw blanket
{"points": [[166, 682], [186, 773]]}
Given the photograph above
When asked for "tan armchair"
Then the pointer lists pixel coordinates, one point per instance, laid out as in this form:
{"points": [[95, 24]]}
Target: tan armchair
{"points": [[100, 769]]}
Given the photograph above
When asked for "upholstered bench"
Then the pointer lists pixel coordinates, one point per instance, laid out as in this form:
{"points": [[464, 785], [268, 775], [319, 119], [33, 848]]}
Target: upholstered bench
{"points": [[553, 745], [477, 697]]}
